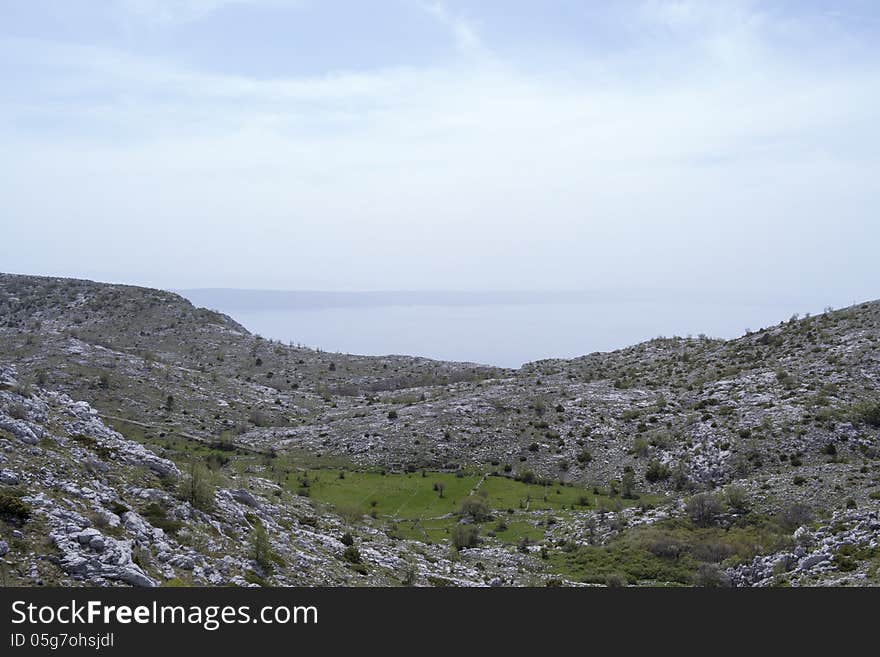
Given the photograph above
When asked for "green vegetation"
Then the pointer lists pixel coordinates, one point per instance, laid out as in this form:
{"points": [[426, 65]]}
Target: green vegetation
{"points": [[12, 508], [412, 505], [158, 517], [261, 551], [674, 551], [869, 414], [465, 536], [197, 487]]}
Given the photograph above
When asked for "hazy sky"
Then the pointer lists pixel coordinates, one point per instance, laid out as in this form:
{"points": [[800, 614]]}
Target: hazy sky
{"points": [[716, 147]]}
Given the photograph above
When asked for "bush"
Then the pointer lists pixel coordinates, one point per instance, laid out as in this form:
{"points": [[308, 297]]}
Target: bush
{"points": [[615, 580], [656, 471], [158, 517], [13, 508], [627, 484], [526, 477], [465, 536], [640, 447], [352, 554], [347, 539], [260, 418], [584, 457], [709, 575], [703, 509], [261, 550], [392, 415], [791, 516], [869, 415], [475, 507], [197, 487], [737, 499]]}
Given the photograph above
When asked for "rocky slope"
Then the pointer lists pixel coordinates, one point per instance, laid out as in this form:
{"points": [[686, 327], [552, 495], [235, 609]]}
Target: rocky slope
{"points": [[786, 420], [80, 504]]}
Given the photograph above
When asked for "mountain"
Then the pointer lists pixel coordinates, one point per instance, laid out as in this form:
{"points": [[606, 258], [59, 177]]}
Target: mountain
{"points": [[146, 441]]}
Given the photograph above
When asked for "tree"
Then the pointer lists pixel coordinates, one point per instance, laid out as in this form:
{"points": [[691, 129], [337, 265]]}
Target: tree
{"points": [[870, 415], [475, 507], [465, 536], [261, 549], [737, 499], [703, 509], [656, 471], [169, 403], [627, 484], [439, 486], [197, 487], [352, 554]]}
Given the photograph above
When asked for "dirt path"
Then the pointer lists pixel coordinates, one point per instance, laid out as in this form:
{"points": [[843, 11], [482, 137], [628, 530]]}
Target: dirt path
{"points": [[479, 483], [177, 432]]}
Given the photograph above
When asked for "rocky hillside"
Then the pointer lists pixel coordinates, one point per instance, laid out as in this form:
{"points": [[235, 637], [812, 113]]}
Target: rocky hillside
{"points": [[80, 504], [200, 453]]}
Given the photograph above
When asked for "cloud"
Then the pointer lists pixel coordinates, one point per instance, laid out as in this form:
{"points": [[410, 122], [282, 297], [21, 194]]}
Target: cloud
{"points": [[463, 32], [677, 164], [167, 13]]}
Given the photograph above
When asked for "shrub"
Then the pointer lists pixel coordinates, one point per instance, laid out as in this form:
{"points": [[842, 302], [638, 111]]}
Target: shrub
{"points": [[709, 575], [392, 415], [475, 507], [465, 536], [615, 580], [737, 499], [869, 415], [584, 457], [158, 517], [526, 477], [197, 487], [627, 484], [703, 509], [791, 516], [13, 508], [656, 471], [640, 447], [352, 554], [261, 550], [260, 418], [347, 539]]}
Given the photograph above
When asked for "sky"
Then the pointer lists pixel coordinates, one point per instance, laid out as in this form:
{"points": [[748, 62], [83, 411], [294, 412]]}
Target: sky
{"points": [[723, 149]]}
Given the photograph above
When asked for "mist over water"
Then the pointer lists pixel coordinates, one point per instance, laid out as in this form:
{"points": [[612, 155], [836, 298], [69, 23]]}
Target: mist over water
{"points": [[504, 333]]}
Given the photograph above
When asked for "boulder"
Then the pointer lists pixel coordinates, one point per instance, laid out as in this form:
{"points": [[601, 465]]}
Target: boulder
{"points": [[245, 497], [9, 478]]}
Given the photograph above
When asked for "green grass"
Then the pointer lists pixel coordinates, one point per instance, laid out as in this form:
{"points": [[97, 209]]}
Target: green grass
{"points": [[670, 551], [398, 496], [414, 510]]}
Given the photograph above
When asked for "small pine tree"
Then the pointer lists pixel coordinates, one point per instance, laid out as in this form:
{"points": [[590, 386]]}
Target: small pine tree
{"points": [[261, 549], [197, 487], [627, 484]]}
